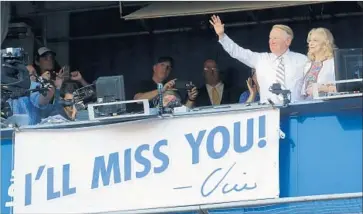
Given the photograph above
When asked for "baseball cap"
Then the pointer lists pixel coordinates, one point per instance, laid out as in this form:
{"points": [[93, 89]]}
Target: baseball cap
{"points": [[44, 50], [165, 59]]}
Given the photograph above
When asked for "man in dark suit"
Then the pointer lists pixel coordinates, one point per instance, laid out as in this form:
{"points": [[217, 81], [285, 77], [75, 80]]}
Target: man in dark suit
{"points": [[214, 92]]}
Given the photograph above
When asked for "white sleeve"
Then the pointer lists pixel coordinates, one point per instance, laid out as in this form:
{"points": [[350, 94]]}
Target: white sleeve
{"points": [[330, 74], [245, 56], [297, 91], [327, 73]]}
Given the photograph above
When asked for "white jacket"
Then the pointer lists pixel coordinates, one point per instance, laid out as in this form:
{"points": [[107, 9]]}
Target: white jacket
{"points": [[326, 75], [266, 65]]}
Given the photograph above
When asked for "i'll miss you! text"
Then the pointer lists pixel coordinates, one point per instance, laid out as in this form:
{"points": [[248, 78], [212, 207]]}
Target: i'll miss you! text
{"points": [[107, 169]]}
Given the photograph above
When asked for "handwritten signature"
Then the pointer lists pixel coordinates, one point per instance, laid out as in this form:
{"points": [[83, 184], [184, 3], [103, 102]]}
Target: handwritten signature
{"points": [[226, 187]]}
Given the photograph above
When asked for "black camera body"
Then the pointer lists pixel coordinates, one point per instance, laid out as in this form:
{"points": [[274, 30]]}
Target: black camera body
{"points": [[15, 79], [276, 89], [185, 85], [13, 70]]}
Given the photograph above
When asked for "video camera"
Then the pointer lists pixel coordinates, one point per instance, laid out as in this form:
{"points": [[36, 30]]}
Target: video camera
{"points": [[15, 79], [286, 94], [84, 95], [13, 71]]}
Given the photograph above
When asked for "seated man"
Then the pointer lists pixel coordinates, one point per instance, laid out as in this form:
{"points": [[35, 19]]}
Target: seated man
{"points": [[253, 93], [214, 92], [161, 70]]}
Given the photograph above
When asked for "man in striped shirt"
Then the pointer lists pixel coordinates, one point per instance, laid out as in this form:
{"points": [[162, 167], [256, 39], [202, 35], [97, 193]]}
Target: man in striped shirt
{"points": [[279, 66]]}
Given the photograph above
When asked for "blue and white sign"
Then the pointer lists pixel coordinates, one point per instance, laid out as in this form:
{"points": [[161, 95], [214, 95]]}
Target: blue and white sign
{"points": [[148, 164]]}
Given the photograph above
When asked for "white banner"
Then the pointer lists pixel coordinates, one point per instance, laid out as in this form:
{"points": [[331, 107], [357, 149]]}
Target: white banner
{"points": [[155, 163]]}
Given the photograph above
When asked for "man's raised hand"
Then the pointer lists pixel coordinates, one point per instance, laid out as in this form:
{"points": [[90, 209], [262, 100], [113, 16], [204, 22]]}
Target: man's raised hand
{"points": [[217, 25], [169, 85]]}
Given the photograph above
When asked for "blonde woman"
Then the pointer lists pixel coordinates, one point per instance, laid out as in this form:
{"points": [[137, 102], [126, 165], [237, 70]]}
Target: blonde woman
{"points": [[320, 67]]}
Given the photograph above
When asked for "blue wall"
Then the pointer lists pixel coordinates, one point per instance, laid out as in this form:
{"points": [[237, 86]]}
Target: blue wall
{"points": [[321, 153]]}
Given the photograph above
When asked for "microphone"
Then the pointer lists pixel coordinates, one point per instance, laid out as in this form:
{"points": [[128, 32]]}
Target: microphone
{"points": [[160, 93]]}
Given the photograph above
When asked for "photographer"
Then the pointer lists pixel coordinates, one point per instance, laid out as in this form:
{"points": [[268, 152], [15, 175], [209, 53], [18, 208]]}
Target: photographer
{"points": [[45, 62], [33, 104], [47, 67], [161, 70]]}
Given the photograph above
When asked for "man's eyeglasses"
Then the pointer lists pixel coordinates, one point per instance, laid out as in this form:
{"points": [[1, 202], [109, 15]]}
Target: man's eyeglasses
{"points": [[210, 69]]}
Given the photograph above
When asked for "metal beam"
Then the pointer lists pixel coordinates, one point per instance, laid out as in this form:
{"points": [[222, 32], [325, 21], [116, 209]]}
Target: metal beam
{"points": [[227, 25], [118, 35]]}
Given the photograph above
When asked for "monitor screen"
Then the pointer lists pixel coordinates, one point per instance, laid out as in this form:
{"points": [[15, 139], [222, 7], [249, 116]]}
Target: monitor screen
{"points": [[348, 66], [111, 89]]}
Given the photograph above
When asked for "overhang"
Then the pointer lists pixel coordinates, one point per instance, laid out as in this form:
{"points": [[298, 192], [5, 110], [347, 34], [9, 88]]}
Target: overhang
{"points": [[187, 8]]}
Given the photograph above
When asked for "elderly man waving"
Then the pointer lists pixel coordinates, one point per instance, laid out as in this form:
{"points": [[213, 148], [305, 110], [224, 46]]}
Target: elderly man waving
{"points": [[280, 66]]}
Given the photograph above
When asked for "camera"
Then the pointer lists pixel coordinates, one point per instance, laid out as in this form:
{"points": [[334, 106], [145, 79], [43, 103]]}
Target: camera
{"points": [[14, 53], [186, 85], [277, 89], [84, 95], [13, 70], [14, 75], [15, 79]]}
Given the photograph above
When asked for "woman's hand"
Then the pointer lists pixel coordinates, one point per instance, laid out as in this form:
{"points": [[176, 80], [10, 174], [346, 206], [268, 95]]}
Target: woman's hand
{"points": [[66, 73], [251, 88], [59, 79], [328, 88], [309, 90], [325, 88], [74, 113]]}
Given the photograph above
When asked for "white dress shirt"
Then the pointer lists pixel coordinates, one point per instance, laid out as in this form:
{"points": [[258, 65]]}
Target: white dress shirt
{"points": [[266, 65], [219, 87], [326, 75]]}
